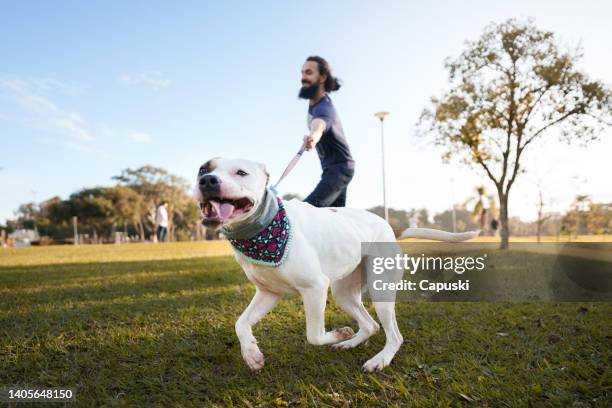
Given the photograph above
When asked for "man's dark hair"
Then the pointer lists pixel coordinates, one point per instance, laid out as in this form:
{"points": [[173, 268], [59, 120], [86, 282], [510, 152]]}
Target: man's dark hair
{"points": [[331, 83]]}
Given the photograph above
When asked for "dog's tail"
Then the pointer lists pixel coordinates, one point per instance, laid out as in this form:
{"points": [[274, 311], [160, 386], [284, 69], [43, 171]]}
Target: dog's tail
{"points": [[437, 235]]}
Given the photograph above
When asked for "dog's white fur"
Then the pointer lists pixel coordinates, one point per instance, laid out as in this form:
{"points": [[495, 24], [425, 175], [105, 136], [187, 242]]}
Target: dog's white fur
{"points": [[325, 251]]}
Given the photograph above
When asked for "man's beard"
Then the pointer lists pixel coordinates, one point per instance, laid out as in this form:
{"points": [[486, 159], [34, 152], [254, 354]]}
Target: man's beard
{"points": [[309, 92]]}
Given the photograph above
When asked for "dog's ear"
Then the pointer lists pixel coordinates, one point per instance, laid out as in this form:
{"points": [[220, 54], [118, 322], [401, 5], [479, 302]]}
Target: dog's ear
{"points": [[263, 168], [208, 166]]}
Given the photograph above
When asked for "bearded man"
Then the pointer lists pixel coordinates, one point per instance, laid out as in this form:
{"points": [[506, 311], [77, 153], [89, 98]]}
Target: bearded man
{"points": [[326, 135]]}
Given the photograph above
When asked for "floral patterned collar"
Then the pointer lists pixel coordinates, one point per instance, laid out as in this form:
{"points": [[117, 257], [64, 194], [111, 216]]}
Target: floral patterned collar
{"points": [[269, 246]]}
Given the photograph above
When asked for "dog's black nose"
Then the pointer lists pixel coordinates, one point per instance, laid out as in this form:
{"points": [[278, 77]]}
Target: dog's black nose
{"points": [[209, 181]]}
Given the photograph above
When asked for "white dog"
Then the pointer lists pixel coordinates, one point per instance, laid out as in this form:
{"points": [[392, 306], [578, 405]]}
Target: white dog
{"points": [[293, 247]]}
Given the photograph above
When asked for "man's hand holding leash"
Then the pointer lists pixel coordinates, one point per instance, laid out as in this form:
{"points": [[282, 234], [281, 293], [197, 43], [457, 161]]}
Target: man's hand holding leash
{"points": [[316, 131], [309, 143]]}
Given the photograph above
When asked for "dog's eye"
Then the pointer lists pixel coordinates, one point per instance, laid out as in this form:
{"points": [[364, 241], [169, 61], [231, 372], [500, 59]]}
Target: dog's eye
{"points": [[242, 173], [202, 171]]}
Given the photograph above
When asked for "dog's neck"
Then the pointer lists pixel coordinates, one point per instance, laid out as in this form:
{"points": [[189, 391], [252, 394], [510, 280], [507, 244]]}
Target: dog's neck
{"points": [[257, 221]]}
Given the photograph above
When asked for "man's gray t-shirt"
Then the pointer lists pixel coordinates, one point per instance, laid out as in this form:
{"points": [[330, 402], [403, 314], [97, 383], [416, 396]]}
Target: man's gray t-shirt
{"points": [[332, 148]]}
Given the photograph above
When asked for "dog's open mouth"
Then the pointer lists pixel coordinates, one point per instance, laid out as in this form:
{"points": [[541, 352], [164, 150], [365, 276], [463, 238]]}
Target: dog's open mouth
{"points": [[220, 210]]}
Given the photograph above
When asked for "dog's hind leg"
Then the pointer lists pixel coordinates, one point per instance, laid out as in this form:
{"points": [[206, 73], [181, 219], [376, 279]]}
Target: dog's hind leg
{"points": [[347, 293], [385, 309], [386, 314]]}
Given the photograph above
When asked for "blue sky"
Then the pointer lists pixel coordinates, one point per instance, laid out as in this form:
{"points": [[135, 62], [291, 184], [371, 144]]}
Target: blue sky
{"points": [[90, 88]]}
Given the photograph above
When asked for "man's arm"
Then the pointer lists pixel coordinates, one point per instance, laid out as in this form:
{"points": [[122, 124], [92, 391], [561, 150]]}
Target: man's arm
{"points": [[317, 127]]}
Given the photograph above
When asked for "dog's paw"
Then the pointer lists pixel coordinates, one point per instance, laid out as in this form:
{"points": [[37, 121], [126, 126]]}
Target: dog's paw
{"points": [[253, 357], [346, 344], [344, 333], [350, 343], [376, 363], [362, 335], [382, 359]]}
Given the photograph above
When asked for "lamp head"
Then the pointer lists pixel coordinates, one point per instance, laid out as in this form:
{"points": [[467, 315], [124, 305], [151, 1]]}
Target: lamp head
{"points": [[381, 115]]}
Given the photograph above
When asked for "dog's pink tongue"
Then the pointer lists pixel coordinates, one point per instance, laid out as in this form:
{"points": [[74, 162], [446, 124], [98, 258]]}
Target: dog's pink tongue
{"points": [[223, 210]]}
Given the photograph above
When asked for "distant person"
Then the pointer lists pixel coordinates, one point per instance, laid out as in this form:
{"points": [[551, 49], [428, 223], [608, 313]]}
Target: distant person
{"points": [[413, 222], [483, 218], [326, 135], [494, 226], [161, 219]]}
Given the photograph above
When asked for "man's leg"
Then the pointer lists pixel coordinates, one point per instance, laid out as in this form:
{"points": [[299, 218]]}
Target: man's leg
{"points": [[346, 177], [331, 187], [325, 192], [341, 200], [164, 233]]}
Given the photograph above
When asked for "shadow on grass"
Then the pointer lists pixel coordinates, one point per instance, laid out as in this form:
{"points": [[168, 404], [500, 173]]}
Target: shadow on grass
{"points": [[112, 292], [23, 289], [192, 357], [162, 333], [31, 276], [160, 351]]}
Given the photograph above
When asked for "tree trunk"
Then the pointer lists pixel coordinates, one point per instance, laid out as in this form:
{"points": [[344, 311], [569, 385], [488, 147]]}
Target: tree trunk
{"points": [[504, 232], [141, 231], [483, 214]]}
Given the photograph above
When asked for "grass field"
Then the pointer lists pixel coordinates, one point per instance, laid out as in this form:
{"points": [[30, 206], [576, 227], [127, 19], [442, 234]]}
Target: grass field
{"points": [[153, 325]]}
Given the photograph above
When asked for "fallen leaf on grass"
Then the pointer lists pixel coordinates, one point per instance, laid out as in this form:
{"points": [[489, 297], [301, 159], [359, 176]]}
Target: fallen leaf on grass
{"points": [[467, 398], [500, 334]]}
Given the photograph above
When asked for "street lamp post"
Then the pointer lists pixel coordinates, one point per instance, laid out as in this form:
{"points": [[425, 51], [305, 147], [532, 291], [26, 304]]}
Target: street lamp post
{"points": [[452, 180], [34, 215], [381, 116]]}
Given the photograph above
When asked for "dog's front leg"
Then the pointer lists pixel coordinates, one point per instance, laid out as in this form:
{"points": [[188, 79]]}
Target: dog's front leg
{"points": [[315, 300], [262, 303]]}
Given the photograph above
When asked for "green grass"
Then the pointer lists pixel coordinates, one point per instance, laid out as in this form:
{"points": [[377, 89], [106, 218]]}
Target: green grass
{"points": [[153, 325]]}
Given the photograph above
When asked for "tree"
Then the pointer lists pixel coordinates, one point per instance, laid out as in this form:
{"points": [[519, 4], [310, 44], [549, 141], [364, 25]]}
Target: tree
{"points": [[155, 184], [587, 217], [574, 220], [423, 218], [510, 88], [479, 211], [463, 220], [95, 210], [54, 219], [599, 219], [27, 215], [102, 210], [398, 219], [128, 206]]}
